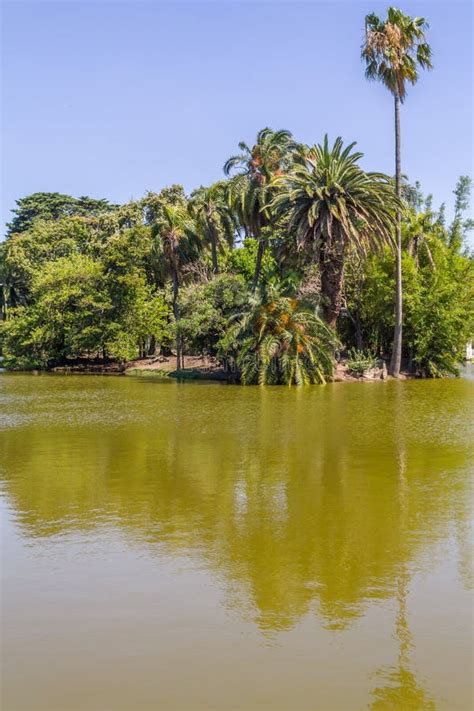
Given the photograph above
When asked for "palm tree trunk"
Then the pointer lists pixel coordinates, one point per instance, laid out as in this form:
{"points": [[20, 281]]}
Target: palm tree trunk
{"points": [[179, 354], [332, 271], [396, 359], [215, 263]]}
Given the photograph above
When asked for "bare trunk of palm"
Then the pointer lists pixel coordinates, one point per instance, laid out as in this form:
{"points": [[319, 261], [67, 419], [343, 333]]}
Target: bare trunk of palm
{"points": [[179, 345], [396, 359], [332, 271], [215, 263], [258, 262]]}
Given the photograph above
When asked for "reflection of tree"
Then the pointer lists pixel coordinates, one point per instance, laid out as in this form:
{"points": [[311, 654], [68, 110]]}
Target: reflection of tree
{"points": [[401, 689], [295, 498], [400, 686]]}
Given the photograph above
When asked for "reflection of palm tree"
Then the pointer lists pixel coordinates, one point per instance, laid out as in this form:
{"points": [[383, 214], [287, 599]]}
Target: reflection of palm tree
{"points": [[401, 689]]}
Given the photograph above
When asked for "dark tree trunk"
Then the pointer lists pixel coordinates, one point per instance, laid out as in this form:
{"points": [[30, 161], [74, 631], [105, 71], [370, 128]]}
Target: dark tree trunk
{"points": [[179, 345], [396, 359], [358, 332], [215, 263], [152, 346], [332, 272], [258, 262]]}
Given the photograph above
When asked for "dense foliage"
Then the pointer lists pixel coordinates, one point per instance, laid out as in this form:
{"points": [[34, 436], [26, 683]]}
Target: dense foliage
{"points": [[279, 341], [273, 271]]}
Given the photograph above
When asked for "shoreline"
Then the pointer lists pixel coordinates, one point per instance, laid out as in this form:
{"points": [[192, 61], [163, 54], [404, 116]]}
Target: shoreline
{"points": [[201, 368]]}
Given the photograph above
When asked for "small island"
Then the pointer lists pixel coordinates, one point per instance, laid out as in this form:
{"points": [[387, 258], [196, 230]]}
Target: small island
{"points": [[283, 273]]}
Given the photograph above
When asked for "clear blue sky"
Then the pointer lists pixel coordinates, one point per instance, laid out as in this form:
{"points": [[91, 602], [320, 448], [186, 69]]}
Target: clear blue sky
{"points": [[111, 99]]}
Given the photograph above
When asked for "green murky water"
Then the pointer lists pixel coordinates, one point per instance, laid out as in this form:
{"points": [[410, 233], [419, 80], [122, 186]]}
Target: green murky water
{"points": [[200, 546]]}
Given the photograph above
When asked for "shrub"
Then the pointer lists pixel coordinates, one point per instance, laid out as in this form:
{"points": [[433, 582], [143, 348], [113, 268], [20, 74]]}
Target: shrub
{"points": [[360, 361], [281, 342]]}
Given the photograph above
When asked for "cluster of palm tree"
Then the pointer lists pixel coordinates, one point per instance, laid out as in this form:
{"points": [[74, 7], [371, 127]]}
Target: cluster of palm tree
{"points": [[318, 197]]}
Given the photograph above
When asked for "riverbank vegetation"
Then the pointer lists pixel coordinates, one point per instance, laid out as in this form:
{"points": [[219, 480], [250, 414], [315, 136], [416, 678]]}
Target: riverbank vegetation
{"points": [[295, 257], [273, 302]]}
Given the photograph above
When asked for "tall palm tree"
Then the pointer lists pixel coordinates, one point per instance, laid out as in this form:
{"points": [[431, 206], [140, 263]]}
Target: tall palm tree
{"points": [[250, 188], [178, 244], [214, 218], [393, 50], [332, 203]]}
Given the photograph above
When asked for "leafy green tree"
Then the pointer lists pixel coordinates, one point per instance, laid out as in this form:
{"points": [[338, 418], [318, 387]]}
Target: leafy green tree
{"points": [[138, 322], [442, 324], [215, 220], [369, 286], [393, 50], [439, 306], [23, 253], [207, 309], [412, 194], [54, 206], [138, 310], [68, 316], [250, 190], [332, 203], [281, 342], [79, 309]]}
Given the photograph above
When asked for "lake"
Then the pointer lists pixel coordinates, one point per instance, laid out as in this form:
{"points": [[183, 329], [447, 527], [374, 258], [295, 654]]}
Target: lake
{"points": [[203, 546]]}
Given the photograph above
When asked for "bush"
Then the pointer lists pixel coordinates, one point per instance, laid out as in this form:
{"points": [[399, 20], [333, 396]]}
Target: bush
{"points": [[207, 308], [360, 361], [281, 342]]}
